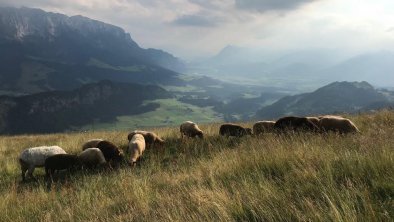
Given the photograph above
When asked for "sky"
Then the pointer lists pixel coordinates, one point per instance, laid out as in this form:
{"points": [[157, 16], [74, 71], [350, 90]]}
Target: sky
{"points": [[201, 28]]}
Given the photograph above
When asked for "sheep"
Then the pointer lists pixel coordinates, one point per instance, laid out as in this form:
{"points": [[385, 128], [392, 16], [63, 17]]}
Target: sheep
{"points": [[60, 162], [31, 158], [190, 129], [136, 148], [150, 138], [294, 123], [323, 116], [91, 143], [230, 129], [92, 157], [261, 127], [314, 120], [338, 124], [112, 153]]}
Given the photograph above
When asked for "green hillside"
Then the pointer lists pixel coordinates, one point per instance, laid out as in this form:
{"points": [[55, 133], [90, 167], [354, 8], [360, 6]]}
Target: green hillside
{"points": [[300, 177], [170, 112]]}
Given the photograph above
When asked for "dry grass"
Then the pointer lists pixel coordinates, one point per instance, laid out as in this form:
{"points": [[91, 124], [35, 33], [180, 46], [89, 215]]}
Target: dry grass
{"points": [[300, 177]]}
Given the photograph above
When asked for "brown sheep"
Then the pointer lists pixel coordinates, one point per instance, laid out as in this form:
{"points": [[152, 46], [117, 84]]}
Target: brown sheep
{"points": [[190, 129], [230, 129], [111, 152], [338, 124], [151, 138], [293, 123], [91, 143], [261, 127], [136, 148], [314, 120]]}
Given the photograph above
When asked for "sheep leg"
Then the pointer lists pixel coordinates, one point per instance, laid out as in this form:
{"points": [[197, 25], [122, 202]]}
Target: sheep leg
{"points": [[49, 173], [24, 169], [30, 172]]}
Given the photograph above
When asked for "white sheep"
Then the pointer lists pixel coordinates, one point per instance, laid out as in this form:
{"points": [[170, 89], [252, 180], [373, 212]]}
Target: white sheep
{"points": [[136, 148], [190, 129], [31, 158], [91, 143], [92, 157], [151, 138]]}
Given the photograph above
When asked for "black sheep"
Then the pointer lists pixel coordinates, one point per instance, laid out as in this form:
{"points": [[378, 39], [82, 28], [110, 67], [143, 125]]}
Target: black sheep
{"points": [[293, 123], [60, 162], [230, 129]]}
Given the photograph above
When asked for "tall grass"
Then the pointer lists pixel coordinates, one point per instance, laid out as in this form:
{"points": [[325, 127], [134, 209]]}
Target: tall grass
{"points": [[300, 177]]}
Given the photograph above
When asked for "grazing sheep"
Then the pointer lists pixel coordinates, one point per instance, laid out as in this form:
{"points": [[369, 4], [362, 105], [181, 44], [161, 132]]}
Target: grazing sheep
{"points": [[314, 120], [136, 148], [92, 157], [338, 124], [60, 162], [91, 143], [230, 129], [335, 116], [150, 138], [112, 153], [294, 123], [190, 129], [34, 157], [261, 127]]}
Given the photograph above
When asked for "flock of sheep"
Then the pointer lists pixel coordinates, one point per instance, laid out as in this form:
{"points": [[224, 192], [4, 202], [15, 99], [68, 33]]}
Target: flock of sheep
{"points": [[99, 153]]}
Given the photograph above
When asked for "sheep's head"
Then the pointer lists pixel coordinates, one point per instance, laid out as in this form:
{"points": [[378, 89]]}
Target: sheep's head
{"points": [[200, 134]]}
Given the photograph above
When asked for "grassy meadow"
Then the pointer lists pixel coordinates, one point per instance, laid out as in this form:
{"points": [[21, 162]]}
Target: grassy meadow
{"points": [[299, 177], [170, 113]]}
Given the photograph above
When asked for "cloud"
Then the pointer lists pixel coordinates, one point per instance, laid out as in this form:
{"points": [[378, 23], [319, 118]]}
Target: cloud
{"points": [[270, 5], [193, 28], [391, 29], [197, 20]]}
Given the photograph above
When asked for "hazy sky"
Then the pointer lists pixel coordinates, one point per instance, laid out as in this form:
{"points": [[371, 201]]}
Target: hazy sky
{"points": [[192, 28]]}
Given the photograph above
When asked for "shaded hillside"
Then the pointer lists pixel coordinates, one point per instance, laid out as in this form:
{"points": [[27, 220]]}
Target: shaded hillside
{"points": [[58, 111], [336, 97], [43, 51]]}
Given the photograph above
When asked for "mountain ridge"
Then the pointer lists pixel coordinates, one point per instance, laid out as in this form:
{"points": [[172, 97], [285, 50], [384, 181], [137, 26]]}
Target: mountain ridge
{"points": [[335, 97], [59, 45]]}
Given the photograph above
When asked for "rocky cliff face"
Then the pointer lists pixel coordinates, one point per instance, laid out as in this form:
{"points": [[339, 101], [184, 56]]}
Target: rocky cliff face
{"points": [[38, 48]]}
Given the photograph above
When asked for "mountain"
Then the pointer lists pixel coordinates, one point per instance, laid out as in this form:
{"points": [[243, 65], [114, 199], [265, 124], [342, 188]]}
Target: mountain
{"points": [[295, 70], [376, 68], [58, 111], [348, 97], [300, 70], [43, 51]]}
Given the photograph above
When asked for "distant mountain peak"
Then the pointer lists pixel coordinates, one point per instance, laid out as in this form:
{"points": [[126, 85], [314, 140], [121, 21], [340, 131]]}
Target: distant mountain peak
{"points": [[345, 84], [332, 98]]}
